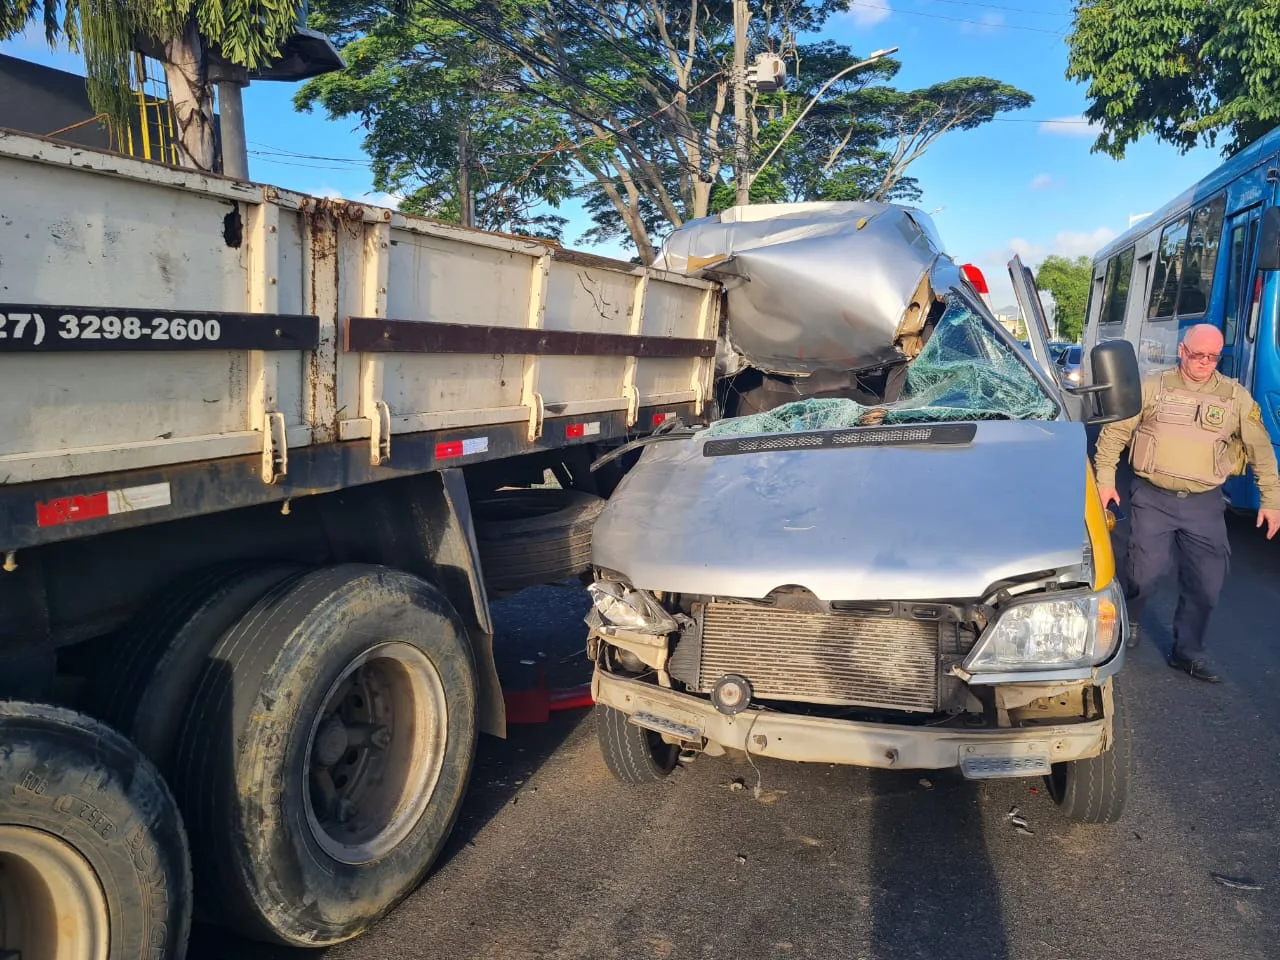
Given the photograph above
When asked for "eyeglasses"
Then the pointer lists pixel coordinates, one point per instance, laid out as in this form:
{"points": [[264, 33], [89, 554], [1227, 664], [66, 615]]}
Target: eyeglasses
{"points": [[1191, 355]]}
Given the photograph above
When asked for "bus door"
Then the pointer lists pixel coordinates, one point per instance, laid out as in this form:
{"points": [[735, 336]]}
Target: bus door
{"points": [[1240, 322]]}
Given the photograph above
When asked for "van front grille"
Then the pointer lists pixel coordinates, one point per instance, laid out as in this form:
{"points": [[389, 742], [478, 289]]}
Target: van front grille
{"points": [[831, 658]]}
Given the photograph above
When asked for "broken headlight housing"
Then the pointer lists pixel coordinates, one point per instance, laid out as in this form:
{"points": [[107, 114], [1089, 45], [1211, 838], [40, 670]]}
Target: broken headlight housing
{"points": [[1077, 629], [621, 605]]}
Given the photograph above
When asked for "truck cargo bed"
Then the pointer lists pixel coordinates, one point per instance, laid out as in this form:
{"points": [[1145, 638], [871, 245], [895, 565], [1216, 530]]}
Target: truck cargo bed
{"points": [[173, 342]]}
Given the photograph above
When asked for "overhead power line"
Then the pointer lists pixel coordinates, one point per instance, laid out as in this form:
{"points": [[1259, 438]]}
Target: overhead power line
{"points": [[976, 23], [996, 6]]}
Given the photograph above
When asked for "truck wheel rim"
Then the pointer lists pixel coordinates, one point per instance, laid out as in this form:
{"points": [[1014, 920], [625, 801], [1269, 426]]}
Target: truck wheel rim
{"points": [[375, 752], [51, 904]]}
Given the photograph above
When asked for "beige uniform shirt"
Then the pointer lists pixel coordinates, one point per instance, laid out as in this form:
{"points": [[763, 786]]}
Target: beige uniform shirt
{"points": [[1248, 428]]}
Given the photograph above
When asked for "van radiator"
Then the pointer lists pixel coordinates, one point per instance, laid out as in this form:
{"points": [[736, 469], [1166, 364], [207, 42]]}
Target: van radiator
{"points": [[835, 658]]}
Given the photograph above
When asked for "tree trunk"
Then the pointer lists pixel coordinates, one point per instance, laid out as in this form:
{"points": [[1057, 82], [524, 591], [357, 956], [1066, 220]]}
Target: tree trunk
{"points": [[190, 98], [742, 148]]}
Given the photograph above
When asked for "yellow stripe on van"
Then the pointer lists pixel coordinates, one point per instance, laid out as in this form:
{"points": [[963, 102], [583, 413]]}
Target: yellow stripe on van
{"points": [[1095, 521]]}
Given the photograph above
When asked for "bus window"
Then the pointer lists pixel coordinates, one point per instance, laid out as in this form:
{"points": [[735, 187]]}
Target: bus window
{"points": [[1241, 244], [1164, 286], [1201, 258], [1119, 270]]}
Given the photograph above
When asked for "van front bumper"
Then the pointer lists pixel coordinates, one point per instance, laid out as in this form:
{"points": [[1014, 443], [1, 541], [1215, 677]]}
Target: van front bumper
{"points": [[978, 754]]}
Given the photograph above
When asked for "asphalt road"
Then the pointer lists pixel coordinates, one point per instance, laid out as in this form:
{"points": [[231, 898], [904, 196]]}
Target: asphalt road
{"points": [[553, 859]]}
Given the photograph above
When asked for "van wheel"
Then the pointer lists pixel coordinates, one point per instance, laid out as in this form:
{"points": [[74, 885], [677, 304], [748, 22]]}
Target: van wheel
{"points": [[632, 754], [325, 753], [93, 858], [527, 537], [146, 684], [1096, 789]]}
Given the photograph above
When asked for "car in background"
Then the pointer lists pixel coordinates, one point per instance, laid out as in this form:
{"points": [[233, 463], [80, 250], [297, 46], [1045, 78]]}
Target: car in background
{"points": [[1057, 348], [1069, 362]]}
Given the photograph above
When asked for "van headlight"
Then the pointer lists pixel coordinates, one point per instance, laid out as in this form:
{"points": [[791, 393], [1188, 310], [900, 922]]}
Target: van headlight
{"points": [[622, 605], [1068, 630]]}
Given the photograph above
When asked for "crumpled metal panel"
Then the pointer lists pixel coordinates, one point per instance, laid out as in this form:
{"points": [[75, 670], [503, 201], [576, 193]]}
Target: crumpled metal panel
{"points": [[899, 522], [813, 286]]}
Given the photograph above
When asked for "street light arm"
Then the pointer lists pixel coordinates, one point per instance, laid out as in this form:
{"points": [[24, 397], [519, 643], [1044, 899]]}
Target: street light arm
{"points": [[821, 90]]}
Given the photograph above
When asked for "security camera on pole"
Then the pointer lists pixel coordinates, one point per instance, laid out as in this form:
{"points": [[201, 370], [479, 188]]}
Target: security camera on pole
{"points": [[767, 75]]}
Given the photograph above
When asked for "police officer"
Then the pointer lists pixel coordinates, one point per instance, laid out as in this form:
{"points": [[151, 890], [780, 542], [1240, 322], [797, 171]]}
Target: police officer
{"points": [[1196, 429]]}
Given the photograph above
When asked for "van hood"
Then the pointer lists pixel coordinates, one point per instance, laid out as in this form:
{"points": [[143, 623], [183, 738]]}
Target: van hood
{"points": [[881, 520]]}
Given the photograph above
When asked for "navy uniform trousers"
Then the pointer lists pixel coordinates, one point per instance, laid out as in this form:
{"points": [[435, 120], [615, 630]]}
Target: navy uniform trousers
{"points": [[1188, 532]]}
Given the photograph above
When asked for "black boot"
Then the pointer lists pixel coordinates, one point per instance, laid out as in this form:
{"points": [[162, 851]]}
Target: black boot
{"points": [[1198, 668]]}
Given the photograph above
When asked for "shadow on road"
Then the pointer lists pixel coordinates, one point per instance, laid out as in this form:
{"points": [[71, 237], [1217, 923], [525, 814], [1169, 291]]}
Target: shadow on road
{"points": [[934, 883]]}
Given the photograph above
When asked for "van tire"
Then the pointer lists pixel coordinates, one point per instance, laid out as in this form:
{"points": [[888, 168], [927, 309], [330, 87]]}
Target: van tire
{"points": [[88, 827], [144, 689], [633, 755], [534, 536], [1096, 789], [293, 694]]}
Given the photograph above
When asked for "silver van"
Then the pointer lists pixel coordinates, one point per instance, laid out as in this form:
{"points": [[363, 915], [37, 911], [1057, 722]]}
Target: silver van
{"points": [[890, 551]]}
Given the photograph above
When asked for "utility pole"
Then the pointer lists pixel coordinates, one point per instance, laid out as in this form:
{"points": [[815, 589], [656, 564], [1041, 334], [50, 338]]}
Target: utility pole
{"points": [[466, 215], [809, 106], [742, 145]]}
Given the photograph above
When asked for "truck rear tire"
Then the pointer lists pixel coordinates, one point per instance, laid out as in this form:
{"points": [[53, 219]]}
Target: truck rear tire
{"points": [[325, 753], [527, 537], [634, 755], [1095, 790], [93, 857], [144, 687]]}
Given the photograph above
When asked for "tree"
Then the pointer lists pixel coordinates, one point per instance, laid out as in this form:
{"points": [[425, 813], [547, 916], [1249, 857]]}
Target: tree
{"points": [[630, 103], [188, 36], [450, 126], [1184, 70], [1068, 281]]}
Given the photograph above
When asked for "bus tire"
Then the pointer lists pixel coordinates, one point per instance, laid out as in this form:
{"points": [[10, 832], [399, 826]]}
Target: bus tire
{"points": [[93, 857], [325, 754], [527, 537], [147, 682]]}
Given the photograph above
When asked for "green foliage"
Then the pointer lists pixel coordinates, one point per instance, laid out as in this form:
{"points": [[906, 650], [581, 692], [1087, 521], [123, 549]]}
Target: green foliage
{"points": [[246, 33], [1185, 70], [419, 83], [1068, 280], [625, 105]]}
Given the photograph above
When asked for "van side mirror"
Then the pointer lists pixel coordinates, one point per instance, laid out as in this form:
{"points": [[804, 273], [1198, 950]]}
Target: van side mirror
{"points": [[1117, 384], [1269, 240]]}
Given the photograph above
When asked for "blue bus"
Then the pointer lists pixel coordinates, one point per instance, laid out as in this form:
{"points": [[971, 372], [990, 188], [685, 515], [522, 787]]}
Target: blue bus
{"points": [[1204, 257]]}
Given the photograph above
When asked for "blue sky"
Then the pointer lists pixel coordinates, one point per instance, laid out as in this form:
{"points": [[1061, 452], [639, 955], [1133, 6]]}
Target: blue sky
{"points": [[1027, 184]]}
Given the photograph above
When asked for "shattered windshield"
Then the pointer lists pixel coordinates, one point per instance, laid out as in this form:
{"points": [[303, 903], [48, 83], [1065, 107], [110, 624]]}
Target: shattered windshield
{"points": [[964, 372]]}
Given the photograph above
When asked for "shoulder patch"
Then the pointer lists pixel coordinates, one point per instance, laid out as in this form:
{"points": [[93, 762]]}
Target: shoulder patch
{"points": [[1255, 413]]}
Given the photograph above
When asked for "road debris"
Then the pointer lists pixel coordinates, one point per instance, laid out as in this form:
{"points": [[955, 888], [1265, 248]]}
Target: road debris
{"points": [[739, 859], [1015, 817], [736, 784], [1236, 883], [927, 784]]}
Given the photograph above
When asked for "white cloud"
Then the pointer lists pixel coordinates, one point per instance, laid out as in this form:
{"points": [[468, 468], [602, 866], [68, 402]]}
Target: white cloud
{"points": [[373, 199], [1066, 243], [867, 13], [1076, 126], [1043, 181], [988, 24]]}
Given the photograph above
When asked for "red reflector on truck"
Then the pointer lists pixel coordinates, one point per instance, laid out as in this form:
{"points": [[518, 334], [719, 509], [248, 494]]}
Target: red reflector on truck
{"points": [[461, 448], [95, 506], [576, 430]]}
